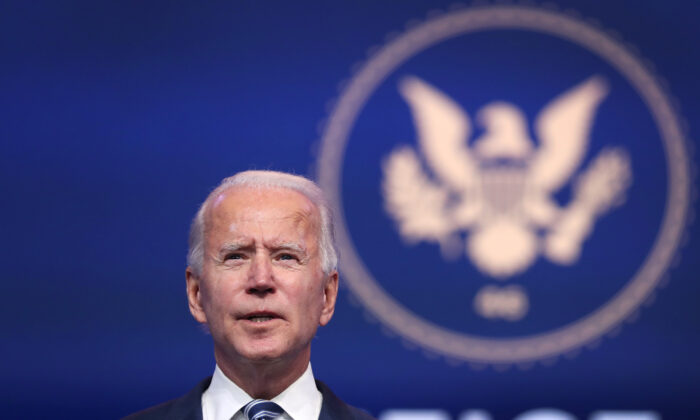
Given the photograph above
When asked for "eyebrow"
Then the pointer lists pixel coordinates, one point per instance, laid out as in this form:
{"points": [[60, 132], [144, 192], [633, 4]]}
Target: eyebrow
{"points": [[292, 246], [244, 244], [235, 246]]}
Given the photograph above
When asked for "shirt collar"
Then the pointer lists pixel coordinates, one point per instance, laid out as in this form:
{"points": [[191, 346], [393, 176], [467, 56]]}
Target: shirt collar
{"points": [[301, 400], [223, 397]]}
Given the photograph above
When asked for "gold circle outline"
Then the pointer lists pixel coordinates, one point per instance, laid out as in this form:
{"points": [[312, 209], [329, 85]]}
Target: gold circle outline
{"points": [[566, 338]]}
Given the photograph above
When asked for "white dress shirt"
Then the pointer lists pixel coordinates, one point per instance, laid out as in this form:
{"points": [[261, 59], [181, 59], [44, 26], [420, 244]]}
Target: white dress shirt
{"points": [[223, 400]]}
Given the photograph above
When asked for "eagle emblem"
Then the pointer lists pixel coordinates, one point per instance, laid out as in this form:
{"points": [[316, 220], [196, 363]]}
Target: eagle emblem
{"points": [[493, 197]]}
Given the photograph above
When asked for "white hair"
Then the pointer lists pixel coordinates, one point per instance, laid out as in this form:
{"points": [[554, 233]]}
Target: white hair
{"points": [[267, 180]]}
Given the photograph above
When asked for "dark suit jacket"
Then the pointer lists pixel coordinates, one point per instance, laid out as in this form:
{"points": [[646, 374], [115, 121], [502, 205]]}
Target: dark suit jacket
{"points": [[189, 407]]}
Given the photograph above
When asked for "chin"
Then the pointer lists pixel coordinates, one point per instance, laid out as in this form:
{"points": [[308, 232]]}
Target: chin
{"points": [[263, 352], [272, 352]]}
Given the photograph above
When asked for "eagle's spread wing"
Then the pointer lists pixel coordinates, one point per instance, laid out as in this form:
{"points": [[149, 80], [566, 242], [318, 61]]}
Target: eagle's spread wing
{"points": [[415, 202], [562, 128], [443, 128]]}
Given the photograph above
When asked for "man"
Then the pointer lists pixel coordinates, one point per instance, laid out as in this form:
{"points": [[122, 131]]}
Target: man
{"points": [[262, 277]]}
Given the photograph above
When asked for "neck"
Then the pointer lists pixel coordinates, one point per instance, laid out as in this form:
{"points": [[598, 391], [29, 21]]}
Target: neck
{"points": [[263, 379]]}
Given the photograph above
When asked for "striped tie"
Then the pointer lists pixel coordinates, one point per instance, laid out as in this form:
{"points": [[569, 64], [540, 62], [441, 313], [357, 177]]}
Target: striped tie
{"points": [[262, 410]]}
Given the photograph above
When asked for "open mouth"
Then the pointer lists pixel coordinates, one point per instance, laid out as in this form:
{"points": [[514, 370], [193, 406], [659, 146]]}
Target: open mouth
{"points": [[260, 317]]}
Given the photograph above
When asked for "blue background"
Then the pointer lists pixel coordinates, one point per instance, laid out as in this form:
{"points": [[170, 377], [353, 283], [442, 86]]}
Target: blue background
{"points": [[116, 119]]}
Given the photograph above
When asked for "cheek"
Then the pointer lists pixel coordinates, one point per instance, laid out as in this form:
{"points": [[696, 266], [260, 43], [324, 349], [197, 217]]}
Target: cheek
{"points": [[207, 303], [313, 302], [214, 296]]}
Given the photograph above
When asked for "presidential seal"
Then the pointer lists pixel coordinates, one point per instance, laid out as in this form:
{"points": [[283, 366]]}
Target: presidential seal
{"points": [[510, 184]]}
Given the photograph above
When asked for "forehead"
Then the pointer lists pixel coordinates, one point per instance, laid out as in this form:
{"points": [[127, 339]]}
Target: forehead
{"points": [[249, 204]]}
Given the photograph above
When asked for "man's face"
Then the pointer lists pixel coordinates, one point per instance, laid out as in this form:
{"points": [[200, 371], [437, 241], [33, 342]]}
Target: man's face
{"points": [[262, 291]]}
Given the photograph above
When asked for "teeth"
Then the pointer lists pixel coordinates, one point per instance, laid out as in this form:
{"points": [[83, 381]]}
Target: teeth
{"points": [[260, 318]]}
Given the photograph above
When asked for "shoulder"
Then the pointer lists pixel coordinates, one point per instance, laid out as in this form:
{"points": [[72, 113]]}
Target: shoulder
{"points": [[334, 408], [187, 407]]}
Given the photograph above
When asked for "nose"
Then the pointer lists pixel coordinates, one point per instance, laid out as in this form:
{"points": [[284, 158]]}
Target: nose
{"points": [[260, 276]]}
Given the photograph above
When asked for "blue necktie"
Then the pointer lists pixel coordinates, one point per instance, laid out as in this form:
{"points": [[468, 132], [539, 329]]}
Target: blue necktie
{"points": [[262, 410]]}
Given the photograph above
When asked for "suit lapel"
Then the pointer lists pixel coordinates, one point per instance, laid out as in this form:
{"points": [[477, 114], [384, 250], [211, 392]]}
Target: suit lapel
{"points": [[189, 406], [332, 408]]}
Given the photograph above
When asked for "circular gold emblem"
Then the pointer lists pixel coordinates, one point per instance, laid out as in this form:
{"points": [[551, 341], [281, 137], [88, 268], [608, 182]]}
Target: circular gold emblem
{"points": [[470, 347]]}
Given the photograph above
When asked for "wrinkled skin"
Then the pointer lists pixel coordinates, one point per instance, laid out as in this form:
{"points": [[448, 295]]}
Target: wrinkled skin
{"points": [[262, 292]]}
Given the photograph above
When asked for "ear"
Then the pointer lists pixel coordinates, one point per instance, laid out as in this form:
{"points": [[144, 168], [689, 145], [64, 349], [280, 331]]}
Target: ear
{"points": [[194, 296], [330, 293]]}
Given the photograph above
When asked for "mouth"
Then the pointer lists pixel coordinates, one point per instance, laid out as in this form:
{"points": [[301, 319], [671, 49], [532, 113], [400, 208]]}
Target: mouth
{"points": [[260, 317]]}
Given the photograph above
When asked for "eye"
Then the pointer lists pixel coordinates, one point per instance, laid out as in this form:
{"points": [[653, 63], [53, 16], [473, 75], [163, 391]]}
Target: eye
{"points": [[233, 256], [286, 257]]}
